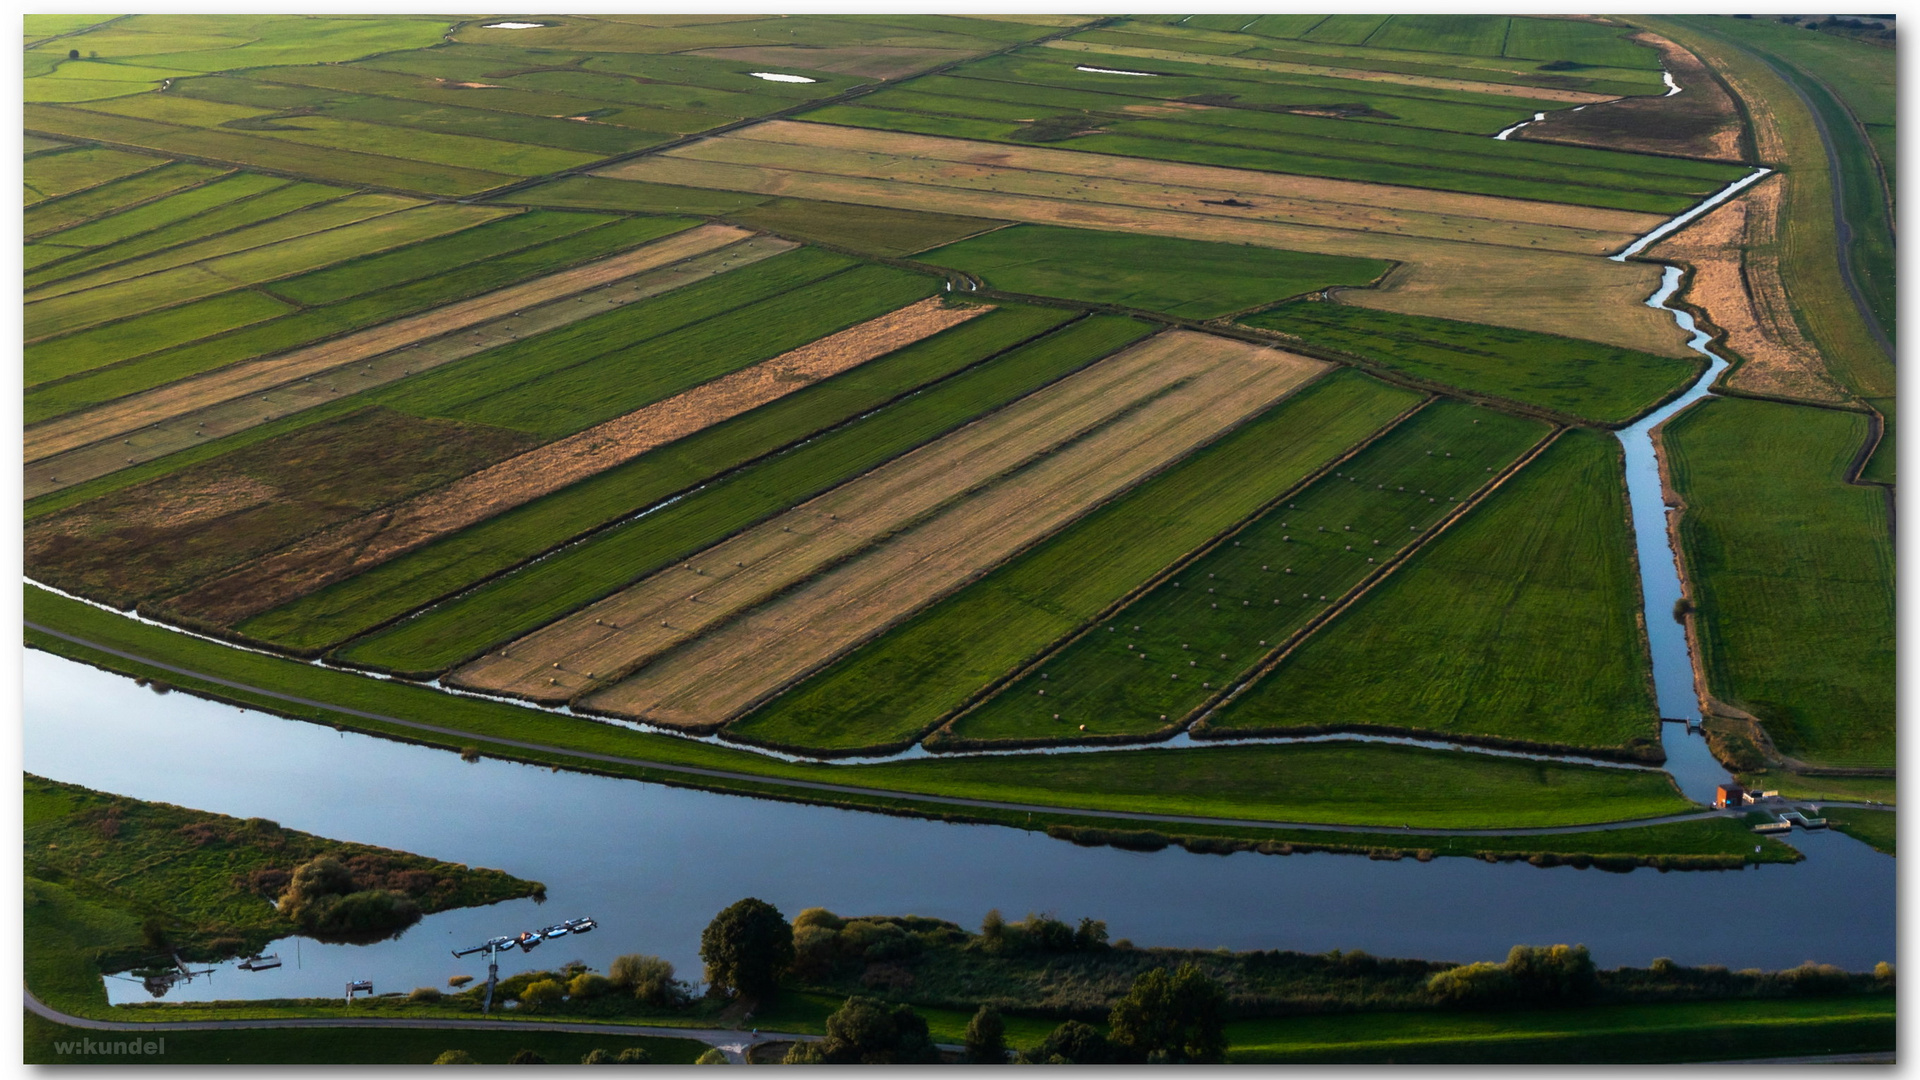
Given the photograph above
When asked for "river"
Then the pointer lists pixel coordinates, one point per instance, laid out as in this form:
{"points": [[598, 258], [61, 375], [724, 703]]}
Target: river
{"points": [[654, 863]]}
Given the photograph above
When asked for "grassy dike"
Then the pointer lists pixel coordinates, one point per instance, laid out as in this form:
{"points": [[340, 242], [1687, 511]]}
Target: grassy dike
{"points": [[1103, 783]]}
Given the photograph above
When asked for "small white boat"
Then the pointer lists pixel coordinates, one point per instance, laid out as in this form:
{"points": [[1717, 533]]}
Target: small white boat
{"points": [[260, 963]]}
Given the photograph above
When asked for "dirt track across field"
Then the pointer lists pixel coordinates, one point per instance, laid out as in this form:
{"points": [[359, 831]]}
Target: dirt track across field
{"points": [[238, 414], [1329, 71], [1532, 266], [715, 678], [116, 418], [366, 542]]}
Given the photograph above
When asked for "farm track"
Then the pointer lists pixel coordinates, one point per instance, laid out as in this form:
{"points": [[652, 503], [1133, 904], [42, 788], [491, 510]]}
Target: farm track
{"points": [[369, 541], [158, 422], [800, 542], [1501, 284], [774, 785], [1329, 71], [726, 673]]}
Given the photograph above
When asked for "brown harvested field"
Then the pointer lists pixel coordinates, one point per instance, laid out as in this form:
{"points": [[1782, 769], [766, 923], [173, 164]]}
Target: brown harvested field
{"points": [[116, 418], [1533, 93], [1522, 283], [652, 616], [1699, 122], [356, 546], [238, 414], [1733, 253], [903, 153], [720, 675], [864, 61], [162, 536]]}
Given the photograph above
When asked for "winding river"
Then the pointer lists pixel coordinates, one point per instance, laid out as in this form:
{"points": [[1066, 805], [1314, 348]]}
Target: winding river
{"points": [[653, 863]]}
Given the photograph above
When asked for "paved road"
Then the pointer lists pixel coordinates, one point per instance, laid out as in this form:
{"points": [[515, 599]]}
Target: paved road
{"points": [[850, 789]]}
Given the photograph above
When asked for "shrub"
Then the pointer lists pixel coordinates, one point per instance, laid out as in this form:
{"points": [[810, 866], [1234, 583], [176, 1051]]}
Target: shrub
{"points": [[1883, 973], [1554, 974], [804, 1053], [816, 949], [713, 1056], [746, 948], [1072, 1043], [526, 1057], [425, 994], [321, 898], [1472, 985], [1663, 966], [586, 986], [648, 978], [542, 994], [1040, 933], [633, 1055], [986, 1038], [1812, 978], [455, 1057], [993, 928]]}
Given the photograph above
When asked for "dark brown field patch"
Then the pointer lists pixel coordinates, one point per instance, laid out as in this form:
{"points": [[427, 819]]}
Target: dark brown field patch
{"points": [[155, 539], [1700, 121]]}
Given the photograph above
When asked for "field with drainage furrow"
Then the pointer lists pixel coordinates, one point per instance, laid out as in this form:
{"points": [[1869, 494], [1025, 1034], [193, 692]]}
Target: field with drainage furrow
{"points": [[893, 689], [1106, 414], [1182, 644], [948, 380], [1521, 624]]}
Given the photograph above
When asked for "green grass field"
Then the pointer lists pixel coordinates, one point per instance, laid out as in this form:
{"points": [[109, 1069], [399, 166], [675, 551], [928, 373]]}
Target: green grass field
{"points": [[524, 600], [1521, 622], [114, 228], [1792, 572], [894, 688], [1876, 828], [1189, 278], [1664, 1033], [79, 169], [1582, 379], [463, 264], [1179, 645]]}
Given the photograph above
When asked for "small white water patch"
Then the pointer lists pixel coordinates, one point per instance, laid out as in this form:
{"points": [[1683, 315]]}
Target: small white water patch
{"points": [[1537, 117], [1653, 237], [514, 25], [1115, 71], [775, 76], [1672, 87]]}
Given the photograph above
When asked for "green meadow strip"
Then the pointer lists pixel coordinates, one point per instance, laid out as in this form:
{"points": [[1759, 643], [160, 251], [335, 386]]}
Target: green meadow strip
{"points": [[47, 217]]}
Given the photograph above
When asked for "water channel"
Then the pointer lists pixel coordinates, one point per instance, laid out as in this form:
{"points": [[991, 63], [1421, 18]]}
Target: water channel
{"points": [[653, 863]]}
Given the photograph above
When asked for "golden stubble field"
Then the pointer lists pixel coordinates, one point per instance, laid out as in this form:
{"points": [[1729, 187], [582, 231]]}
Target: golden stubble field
{"points": [[722, 673], [1508, 262], [365, 542]]}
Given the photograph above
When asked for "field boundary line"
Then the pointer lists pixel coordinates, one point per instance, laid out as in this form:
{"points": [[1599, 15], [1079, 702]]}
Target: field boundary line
{"points": [[149, 200], [82, 144], [770, 781], [27, 301], [1196, 720], [272, 368], [345, 193], [661, 503], [932, 734], [302, 306]]}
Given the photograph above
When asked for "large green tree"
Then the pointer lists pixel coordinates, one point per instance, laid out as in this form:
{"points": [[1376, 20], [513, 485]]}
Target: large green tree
{"points": [[746, 949], [869, 1032], [1177, 1018]]}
